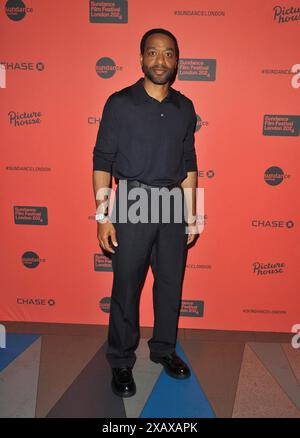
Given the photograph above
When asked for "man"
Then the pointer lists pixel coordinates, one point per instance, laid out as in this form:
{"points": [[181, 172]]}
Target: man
{"points": [[146, 139]]}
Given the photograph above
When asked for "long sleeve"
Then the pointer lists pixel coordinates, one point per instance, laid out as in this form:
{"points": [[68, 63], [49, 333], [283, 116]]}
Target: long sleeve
{"points": [[190, 157], [106, 146]]}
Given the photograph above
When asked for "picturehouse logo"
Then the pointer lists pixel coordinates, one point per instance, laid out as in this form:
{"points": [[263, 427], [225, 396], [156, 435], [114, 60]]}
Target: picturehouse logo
{"points": [[264, 269], [24, 118], [286, 15]]}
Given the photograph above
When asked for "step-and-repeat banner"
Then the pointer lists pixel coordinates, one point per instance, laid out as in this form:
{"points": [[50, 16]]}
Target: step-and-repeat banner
{"points": [[240, 64]]}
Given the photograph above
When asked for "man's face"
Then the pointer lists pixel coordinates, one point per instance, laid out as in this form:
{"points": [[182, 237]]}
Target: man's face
{"points": [[159, 60]]}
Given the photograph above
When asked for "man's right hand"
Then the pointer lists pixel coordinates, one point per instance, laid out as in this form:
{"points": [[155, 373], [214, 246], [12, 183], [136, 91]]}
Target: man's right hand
{"points": [[106, 230]]}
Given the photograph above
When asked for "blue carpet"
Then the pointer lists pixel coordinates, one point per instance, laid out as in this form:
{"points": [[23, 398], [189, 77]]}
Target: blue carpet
{"points": [[16, 343], [173, 398]]}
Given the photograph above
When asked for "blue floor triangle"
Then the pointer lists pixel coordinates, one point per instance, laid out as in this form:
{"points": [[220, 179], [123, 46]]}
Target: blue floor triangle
{"points": [[173, 398], [16, 343]]}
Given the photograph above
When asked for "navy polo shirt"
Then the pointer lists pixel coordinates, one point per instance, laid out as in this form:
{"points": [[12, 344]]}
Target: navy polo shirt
{"points": [[144, 139]]}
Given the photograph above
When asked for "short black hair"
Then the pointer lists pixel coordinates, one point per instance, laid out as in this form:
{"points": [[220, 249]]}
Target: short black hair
{"points": [[159, 30]]}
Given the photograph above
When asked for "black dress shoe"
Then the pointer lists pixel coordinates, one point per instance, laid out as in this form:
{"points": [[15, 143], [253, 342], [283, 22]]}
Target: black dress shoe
{"points": [[173, 364], [122, 383]]}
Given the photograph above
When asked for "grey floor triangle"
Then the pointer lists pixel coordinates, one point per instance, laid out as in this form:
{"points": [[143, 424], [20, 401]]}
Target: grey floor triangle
{"points": [[90, 395], [258, 394], [145, 373], [62, 359], [19, 383], [274, 359], [217, 366]]}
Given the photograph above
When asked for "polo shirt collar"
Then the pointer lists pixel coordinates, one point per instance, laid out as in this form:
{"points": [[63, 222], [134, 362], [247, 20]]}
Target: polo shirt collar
{"points": [[140, 95]]}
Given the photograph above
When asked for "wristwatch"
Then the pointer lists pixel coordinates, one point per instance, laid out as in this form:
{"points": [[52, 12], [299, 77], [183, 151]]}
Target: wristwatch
{"points": [[101, 217]]}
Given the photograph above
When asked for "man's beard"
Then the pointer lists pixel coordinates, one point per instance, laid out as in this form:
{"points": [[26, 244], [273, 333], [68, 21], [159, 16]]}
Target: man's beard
{"points": [[156, 79]]}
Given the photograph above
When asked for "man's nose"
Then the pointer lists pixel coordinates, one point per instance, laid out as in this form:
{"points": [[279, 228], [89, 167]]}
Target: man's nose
{"points": [[160, 59]]}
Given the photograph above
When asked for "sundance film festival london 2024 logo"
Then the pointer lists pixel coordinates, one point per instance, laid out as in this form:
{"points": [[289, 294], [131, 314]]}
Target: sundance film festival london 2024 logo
{"points": [[113, 11]]}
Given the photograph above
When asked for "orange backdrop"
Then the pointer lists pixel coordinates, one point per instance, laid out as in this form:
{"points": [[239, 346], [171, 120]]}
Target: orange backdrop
{"points": [[240, 65]]}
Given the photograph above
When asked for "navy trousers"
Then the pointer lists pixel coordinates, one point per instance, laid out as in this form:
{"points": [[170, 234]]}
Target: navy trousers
{"points": [[163, 246]]}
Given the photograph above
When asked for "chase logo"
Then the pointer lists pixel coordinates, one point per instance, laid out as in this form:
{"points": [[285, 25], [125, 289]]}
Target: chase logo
{"points": [[192, 308], [264, 223], [104, 304], [40, 66], [16, 10], [36, 301], [278, 125], [26, 215], [192, 69], [93, 120], [108, 11], [20, 66], [206, 173], [102, 263], [274, 175]]}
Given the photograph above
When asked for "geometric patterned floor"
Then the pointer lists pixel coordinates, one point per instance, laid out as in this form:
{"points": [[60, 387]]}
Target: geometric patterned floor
{"points": [[60, 371]]}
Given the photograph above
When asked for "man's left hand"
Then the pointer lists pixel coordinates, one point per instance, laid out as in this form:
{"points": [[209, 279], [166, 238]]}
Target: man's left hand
{"points": [[192, 232]]}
